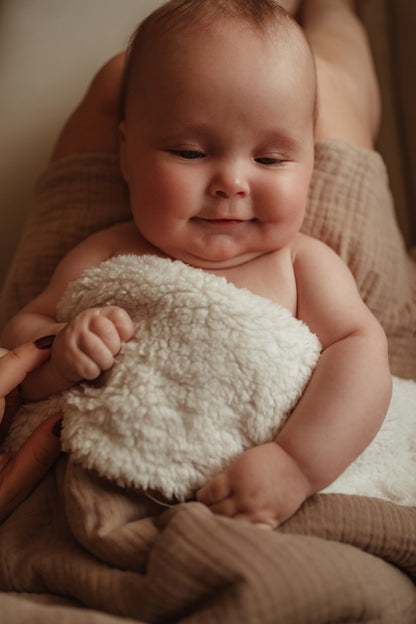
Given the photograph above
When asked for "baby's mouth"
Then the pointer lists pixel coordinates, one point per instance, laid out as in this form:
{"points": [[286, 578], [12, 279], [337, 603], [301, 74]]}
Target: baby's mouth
{"points": [[224, 222], [221, 223]]}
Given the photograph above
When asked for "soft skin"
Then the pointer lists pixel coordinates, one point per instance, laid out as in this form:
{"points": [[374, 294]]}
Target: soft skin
{"points": [[224, 177]]}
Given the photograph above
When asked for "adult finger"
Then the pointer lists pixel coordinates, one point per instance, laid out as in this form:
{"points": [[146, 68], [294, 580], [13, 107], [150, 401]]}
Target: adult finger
{"points": [[15, 364], [19, 475]]}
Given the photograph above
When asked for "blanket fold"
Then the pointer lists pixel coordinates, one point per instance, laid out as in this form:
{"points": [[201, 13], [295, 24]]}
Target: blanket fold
{"points": [[113, 550]]}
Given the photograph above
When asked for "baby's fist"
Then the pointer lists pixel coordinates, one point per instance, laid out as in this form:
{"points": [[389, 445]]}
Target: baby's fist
{"points": [[263, 486], [88, 343]]}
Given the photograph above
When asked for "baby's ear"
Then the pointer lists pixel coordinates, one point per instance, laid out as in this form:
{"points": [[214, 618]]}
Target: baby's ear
{"points": [[123, 159]]}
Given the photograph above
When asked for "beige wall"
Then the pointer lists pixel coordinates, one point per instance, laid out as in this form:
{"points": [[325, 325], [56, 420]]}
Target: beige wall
{"points": [[49, 49]]}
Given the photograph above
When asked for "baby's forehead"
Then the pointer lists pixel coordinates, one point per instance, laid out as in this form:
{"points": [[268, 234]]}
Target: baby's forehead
{"points": [[281, 26], [153, 49], [276, 37]]}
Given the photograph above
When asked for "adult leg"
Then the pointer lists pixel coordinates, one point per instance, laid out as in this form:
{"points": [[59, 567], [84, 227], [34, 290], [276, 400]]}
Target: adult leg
{"points": [[291, 6], [93, 126], [348, 93]]}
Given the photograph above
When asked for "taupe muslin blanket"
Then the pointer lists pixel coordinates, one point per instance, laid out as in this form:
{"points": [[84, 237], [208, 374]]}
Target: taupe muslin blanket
{"points": [[116, 552]]}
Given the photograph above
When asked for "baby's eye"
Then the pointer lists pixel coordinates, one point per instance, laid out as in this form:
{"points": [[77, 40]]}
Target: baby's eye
{"points": [[189, 154], [267, 160]]}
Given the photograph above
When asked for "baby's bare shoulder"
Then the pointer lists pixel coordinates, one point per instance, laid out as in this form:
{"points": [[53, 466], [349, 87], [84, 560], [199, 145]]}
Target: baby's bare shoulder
{"points": [[305, 244], [126, 239], [115, 240], [316, 263]]}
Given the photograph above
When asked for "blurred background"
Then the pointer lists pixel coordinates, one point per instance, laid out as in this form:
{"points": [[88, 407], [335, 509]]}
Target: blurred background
{"points": [[49, 51]]}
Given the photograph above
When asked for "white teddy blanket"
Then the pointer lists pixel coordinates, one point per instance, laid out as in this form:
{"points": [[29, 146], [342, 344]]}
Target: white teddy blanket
{"points": [[211, 370]]}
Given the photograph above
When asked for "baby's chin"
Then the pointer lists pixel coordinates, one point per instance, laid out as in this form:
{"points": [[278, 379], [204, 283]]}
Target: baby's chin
{"points": [[216, 262]]}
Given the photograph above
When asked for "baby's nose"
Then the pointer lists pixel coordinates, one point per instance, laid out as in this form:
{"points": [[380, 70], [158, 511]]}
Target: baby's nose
{"points": [[229, 182]]}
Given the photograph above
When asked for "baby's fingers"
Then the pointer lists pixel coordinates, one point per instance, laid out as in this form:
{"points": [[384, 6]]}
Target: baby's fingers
{"points": [[107, 329], [215, 491], [259, 521], [120, 319], [102, 332], [227, 507], [219, 497], [94, 356]]}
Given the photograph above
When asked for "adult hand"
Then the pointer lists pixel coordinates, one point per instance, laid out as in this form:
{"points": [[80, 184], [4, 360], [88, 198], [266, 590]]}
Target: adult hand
{"points": [[20, 474]]}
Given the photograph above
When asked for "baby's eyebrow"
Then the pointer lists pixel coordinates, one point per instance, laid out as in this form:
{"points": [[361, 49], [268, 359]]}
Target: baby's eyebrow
{"points": [[283, 140], [176, 133]]}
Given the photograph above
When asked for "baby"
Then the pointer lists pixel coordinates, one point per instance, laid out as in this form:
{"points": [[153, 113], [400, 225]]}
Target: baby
{"points": [[217, 148]]}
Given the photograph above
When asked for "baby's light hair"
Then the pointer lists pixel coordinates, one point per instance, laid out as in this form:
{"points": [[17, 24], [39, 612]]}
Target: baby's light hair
{"points": [[177, 14]]}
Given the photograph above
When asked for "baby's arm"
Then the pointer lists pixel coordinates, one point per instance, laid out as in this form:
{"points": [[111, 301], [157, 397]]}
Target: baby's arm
{"points": [[87, 344], [339, 413], [348, 395]]}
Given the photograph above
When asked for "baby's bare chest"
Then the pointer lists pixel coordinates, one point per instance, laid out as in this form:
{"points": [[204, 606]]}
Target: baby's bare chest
{"points": [[271, 276]]}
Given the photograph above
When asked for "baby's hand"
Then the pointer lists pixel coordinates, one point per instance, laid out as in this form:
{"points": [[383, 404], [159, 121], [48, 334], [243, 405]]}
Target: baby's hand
{"points": [[264, 486], [86, 346]]}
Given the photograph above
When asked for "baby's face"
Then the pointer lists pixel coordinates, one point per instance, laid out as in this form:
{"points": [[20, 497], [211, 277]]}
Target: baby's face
{"points": [[217, 147]]}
